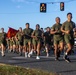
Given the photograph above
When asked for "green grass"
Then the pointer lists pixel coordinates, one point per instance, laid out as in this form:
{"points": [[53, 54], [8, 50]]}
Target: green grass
{"points": [[15, 70]]}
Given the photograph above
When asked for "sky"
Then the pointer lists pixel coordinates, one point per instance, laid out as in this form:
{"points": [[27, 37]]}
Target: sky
{"points": [[15, 13]]}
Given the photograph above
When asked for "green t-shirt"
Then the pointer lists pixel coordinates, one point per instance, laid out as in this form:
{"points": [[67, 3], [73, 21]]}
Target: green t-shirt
{"points": [[20, 36], [57, 28], [27, 33], [38, 33], [2, 36], [68, 26]]}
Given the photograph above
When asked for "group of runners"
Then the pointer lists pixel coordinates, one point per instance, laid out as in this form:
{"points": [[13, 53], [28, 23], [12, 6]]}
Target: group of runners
{"points": [[60, 37]]}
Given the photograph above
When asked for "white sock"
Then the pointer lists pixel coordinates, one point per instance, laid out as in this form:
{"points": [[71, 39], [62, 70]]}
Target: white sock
{"points": [[46, 48], [66, 53]]}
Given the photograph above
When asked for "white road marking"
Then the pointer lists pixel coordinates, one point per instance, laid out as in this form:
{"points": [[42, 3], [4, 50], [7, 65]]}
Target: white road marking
{"points": [[12, 61], [20, 57]]}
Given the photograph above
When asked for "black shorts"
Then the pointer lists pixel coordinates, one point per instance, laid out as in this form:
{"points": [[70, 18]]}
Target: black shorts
{"points": [[21, 43]]}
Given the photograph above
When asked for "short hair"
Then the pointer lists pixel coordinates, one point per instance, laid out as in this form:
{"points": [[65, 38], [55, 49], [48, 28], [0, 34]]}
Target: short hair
{"points": [[27, 24], [20, 27], [48, 27], [41, 28], [38, 25], [69, 13], [58, 17]]}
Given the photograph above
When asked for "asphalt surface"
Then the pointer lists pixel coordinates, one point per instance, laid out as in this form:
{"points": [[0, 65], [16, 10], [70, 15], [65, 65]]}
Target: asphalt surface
{"points": [[45, 63]]}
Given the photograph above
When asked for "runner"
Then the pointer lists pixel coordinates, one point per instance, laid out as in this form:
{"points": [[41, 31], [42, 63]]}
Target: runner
{"points": [[19, 41], [8, 44], [27, 40], [58, 39], [37, 35], [3, 41], [12, 44], [67, 28], [47, 40], [75, 38]]}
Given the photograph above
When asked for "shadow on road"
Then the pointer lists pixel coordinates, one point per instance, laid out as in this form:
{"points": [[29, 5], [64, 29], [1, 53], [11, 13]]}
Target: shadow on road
{"points": [[30, 61]]}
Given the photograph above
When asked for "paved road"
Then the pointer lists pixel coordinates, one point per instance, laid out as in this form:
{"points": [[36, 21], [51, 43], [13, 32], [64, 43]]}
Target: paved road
{"points": [[45, 63]]}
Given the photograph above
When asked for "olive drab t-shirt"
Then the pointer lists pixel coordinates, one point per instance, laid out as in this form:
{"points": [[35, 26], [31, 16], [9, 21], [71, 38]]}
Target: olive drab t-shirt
{"points": [[58, 35], [20, 36], [2, 36], [38, 33], [68, 26], [27, 33]]}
